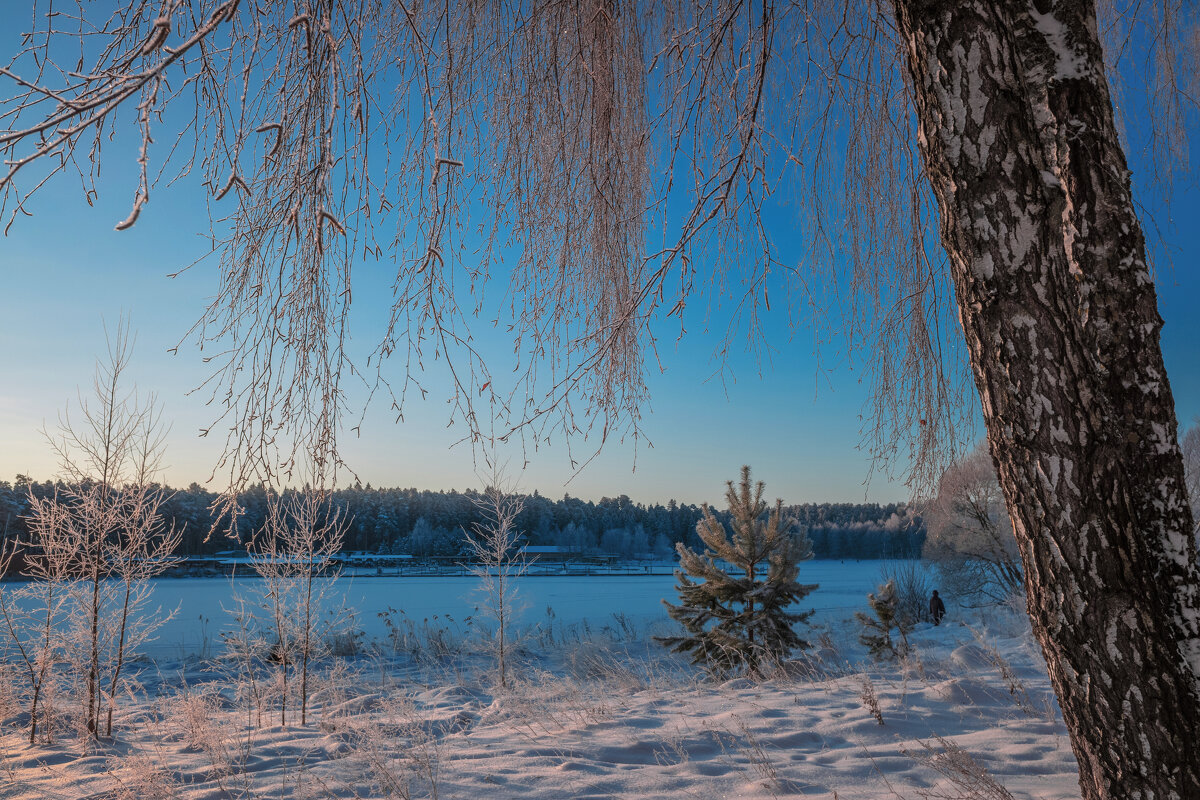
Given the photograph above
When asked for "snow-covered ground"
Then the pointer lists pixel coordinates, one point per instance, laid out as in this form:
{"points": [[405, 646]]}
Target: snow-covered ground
{"points": [[595, 710]]}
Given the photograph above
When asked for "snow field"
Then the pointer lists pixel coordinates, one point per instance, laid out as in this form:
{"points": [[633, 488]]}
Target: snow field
{"points": [[596, 712]]}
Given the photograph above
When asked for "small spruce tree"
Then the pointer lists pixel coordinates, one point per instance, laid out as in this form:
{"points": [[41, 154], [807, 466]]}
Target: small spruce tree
{"points": [[877, 630], [739, 618]]}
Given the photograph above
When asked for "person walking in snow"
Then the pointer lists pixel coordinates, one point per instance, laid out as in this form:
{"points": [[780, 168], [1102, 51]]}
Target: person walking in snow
{"points": [[937, 609]]}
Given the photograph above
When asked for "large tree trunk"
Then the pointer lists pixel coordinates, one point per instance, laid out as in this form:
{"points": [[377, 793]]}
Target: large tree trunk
{"points": [[1062, 324]]}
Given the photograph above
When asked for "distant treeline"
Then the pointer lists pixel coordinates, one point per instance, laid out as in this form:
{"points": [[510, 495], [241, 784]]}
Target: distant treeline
{"points": [[427, 523]]}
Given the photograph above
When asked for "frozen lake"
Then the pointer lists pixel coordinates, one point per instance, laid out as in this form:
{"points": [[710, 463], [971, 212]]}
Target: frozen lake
{"points": [[202, 605]]}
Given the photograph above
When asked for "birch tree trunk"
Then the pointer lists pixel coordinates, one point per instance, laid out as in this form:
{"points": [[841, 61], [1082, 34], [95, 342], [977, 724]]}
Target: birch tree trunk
{"points": [[1061, 319]]}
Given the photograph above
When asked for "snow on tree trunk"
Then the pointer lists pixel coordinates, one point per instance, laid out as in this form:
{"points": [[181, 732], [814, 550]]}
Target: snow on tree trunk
{"points": [[1061, 319]]}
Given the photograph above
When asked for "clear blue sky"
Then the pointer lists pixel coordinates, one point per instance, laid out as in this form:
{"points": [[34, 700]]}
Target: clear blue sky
{"points": [[65, 271]]}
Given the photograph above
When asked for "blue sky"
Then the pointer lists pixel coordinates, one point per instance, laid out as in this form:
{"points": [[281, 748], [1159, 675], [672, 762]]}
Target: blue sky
{"points": [[65, 271]]}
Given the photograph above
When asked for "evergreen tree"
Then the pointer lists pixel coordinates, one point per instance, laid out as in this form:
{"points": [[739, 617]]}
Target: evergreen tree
{"points": [[739, 618], [877, 630]]}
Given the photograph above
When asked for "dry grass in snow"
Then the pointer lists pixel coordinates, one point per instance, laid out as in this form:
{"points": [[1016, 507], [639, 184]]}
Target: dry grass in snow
{"points": [[970, 716]]}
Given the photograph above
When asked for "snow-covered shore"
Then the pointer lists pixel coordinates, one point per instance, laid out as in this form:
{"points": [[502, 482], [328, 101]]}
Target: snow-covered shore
{"points": [[595, 712]]}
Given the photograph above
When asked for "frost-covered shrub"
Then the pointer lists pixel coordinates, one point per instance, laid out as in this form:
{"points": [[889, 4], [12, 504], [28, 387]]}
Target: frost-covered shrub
{"points": [[301, 533], [970, 535], [913, 587]]}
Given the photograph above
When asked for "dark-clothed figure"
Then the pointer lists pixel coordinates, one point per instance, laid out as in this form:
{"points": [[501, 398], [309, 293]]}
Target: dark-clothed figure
{"points": [[937, 609]]}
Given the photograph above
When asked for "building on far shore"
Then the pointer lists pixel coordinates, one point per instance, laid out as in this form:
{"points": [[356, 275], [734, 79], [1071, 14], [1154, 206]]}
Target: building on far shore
{"points": [[546, 553]]}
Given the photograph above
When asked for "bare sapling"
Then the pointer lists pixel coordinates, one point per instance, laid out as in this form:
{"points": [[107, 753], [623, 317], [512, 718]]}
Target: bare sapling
{"points": [[32, 611], [498, 560], [293, 554], [108, 512], [144, 550], [270, 560]]}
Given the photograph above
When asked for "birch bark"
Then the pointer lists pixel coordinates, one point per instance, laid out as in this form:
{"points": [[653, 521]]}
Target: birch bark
{"points": [[1061, 319]]}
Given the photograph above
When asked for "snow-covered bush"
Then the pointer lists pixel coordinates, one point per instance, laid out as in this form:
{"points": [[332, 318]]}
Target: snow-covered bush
{"points": [[913, 587]]}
